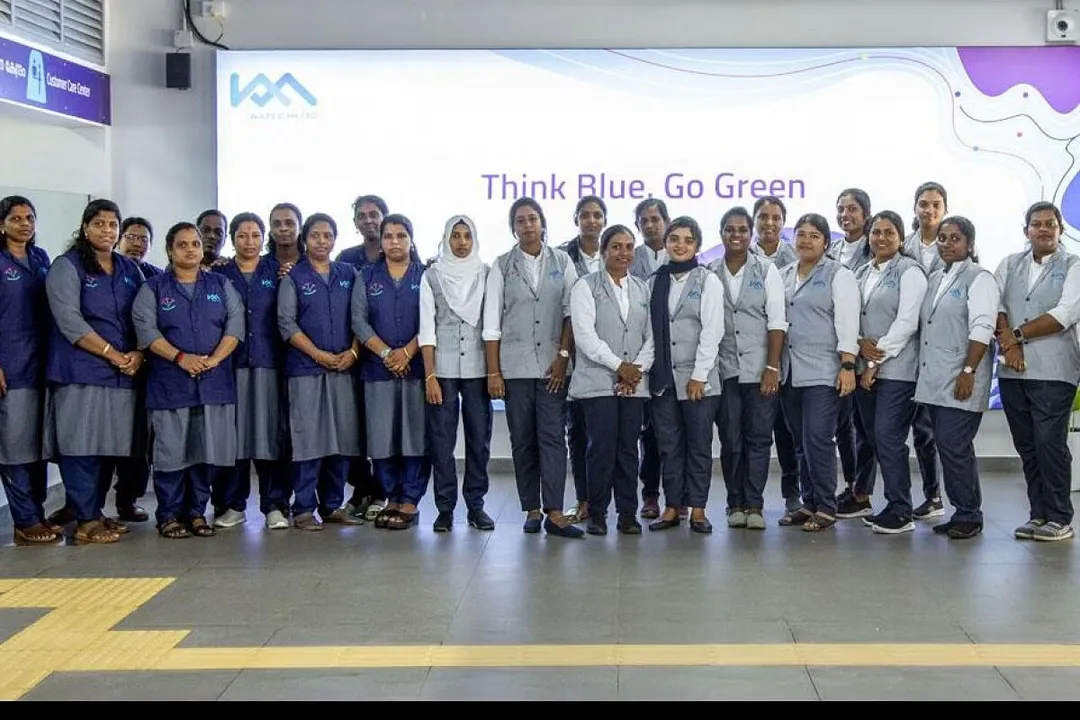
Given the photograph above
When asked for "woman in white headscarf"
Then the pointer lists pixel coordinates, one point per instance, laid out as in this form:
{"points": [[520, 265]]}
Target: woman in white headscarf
{"points": [[451, 307]]}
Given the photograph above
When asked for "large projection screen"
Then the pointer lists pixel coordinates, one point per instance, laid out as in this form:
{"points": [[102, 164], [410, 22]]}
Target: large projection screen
{"points": [[444, 132]]}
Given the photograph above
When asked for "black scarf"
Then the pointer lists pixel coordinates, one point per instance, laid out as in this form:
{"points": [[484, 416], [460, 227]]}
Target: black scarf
{"points": [[660, 377]]}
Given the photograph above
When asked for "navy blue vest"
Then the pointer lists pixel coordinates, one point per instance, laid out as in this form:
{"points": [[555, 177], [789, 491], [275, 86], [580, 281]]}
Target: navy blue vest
{"points": [[394, 314], [24, 318], [263, 346], [105, 303], [322, 312], [149, 270], [194, 326]]}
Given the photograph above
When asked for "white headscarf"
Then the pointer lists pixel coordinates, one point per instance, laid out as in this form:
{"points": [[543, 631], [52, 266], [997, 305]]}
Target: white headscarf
{"points": [[462, 279]]}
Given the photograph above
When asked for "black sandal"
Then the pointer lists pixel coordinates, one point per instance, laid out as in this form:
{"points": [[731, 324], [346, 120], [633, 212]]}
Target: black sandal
{"points": [[173, 530], [818, 522], [382, 520], [796, 517], [201, 528]]}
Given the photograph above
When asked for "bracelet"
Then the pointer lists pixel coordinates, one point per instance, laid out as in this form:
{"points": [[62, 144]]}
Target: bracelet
{"points": [[178, 358], [495, 374], [429, 377], [405, 350], [105, 350], [354, 353], [770, 367]]}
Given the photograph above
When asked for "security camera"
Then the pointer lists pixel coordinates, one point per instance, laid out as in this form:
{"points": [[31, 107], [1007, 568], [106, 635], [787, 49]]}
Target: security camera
{"points": [[1063, 26]]}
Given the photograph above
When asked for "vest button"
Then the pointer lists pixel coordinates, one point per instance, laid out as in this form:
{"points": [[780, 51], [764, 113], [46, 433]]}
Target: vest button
{"points": [[672, 344], [462, 354], [537, 344]]}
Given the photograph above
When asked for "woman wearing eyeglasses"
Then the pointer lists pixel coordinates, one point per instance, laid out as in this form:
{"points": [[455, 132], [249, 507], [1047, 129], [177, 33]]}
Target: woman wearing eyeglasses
{"points": [[1040, 305], [955, 329]]}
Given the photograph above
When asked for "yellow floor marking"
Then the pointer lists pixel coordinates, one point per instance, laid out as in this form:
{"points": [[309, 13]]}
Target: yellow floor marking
{"points": [[77, 636]]}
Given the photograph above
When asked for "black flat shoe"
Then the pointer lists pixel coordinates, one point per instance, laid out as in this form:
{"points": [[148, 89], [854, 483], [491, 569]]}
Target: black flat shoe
{"points": [[596, 526], [964, 530], [943, 528], [568, 531], [480, 520], [134, 514], [628, 525], [703, 526], [532, 525], [444, 523], [663, 524]]}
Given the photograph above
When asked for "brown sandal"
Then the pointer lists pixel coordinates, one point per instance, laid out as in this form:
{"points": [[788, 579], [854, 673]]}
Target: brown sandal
{"points": [[115, 526], [95, 533], [819, 522], [38, 534], [173, 530], [201, 528]]}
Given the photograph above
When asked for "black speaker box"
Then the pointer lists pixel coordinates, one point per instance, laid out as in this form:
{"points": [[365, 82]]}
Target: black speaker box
{"points": [[178, 71]]}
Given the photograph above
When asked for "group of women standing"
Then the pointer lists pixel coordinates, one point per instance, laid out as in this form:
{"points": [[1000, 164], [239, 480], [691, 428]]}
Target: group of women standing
{"points": [[303, 366]]}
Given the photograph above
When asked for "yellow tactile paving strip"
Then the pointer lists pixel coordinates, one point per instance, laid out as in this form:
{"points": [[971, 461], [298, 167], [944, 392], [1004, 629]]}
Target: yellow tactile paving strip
{"points": [[77, 636]]}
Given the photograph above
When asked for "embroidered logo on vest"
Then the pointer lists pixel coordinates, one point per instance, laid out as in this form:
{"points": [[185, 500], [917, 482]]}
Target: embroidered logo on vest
{"points": [[12, 274], [267, 283], [91, 282], [955, 292], [346, 284], [213, 297], [168, 304], [375, 289], [308, 288]]}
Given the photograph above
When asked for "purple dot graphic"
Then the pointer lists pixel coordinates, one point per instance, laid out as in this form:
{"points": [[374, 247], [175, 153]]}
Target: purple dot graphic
{"points": [[957, 93]]}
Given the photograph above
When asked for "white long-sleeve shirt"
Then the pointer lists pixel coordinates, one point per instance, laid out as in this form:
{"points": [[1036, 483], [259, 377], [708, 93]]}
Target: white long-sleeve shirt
{"points": [[775, 303], [906, 323], [493, 293], [583, 318], [1066, 312], [983, 303], [712, 321], [847, 304]]}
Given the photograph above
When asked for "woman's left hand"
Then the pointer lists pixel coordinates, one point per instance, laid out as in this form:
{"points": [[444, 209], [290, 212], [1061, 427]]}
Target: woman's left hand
{"points": [[557, 374], [845, 382]]}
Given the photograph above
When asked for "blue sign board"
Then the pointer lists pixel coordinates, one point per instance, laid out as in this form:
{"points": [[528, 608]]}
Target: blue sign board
{"points": [[36, 79]]}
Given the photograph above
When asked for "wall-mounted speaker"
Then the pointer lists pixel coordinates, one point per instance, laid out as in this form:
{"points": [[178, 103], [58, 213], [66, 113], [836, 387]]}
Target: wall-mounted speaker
{"points": [[178, 71]]}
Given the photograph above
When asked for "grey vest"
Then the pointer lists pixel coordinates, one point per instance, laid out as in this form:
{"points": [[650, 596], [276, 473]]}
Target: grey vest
{"points": [[624, 338], [532, 317], [913, 246], [1050, 357], [745, 345], [459, 347], [860, 258], [879, 311], [785, 254], [686, 333], [810, 356], [644, 263], [943, 337]]}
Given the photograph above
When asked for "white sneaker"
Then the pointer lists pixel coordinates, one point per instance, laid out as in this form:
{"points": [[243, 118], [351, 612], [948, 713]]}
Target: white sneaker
{"points": [[276, 520], [231, 518]]}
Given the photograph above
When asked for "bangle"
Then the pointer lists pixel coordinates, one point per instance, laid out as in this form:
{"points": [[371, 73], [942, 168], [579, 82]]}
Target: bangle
{"points": [[178, 358], [408, 355], [354, 353], [105, 350], [770, 367], [495, 374], [429, 377]]}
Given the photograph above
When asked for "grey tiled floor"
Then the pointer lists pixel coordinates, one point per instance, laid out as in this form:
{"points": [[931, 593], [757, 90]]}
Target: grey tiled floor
{"points": [[362, 586]]}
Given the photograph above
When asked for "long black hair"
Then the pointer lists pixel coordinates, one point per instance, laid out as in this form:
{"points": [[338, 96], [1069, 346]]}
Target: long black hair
{"points": [[6, 206], [80, 243], [967, 229]]}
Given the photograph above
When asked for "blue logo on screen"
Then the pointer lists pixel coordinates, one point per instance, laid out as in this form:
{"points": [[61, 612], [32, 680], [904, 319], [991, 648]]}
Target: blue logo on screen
{"points": [[35, 78], [261, 90]]}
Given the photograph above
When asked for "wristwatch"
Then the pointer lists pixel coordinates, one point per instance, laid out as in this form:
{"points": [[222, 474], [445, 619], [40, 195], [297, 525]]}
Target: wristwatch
{"points": [[564, 353], [1018, 333], [968, 370], [870, 364], [384, 353], [847, 366]]}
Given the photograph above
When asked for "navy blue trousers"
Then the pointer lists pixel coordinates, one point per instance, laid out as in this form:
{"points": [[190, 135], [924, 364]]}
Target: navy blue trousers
{"points": [[614, 424], [649, 463], [785, 455], [577, 440], [86, 484], [745, 423], [470, 396], [811, 414], [887, 412], [319, 484], [536, 419], [404, 478], [955, 431], [234, 486], [1038, 415], [25, 486], [182, 494], [856, 450], [684, 434]]}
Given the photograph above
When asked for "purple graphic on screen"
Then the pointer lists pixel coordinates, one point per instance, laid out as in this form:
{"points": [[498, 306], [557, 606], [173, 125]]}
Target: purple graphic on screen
{"points": [[1053, 71]]}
